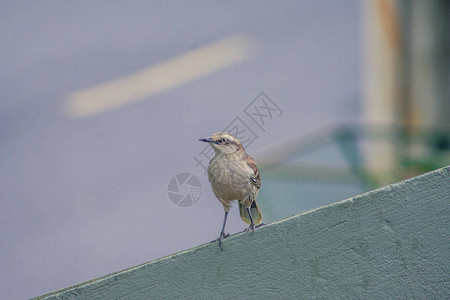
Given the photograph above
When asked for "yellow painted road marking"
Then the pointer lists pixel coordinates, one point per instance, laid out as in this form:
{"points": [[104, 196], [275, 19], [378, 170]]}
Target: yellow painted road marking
{"points": [[159, 77]]}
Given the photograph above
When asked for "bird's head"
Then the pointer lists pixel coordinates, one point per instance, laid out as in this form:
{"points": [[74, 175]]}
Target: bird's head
{"points": [[223, 143]]}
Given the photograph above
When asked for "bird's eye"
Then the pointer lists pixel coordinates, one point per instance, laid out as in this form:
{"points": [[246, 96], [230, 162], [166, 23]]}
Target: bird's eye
{"points": [[224, 141]]}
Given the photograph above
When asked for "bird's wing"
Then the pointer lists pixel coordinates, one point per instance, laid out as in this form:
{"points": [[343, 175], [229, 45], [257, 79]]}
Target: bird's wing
{"points": [[255, 178]]}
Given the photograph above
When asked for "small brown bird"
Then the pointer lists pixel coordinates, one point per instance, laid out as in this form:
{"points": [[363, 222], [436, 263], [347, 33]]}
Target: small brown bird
{"points": [[234, 176]]}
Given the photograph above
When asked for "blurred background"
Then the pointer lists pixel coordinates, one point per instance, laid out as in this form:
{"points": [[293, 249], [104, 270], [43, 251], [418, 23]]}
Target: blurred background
{"points": [[103, 103]]}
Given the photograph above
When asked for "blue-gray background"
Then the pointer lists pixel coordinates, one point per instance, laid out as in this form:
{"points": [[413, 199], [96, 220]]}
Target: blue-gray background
{"points": [[81, 198]]}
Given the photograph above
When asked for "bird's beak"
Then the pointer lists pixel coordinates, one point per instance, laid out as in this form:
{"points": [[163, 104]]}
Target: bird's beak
{"points": [[207, 140]]}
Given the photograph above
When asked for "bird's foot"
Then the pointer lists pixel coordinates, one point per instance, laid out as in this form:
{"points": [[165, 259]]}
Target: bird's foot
{"points": [[220, 239], [251, 227]]}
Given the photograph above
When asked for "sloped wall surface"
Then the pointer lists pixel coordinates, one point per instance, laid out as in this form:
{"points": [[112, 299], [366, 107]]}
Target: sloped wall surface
{"points": [[389, 243]]}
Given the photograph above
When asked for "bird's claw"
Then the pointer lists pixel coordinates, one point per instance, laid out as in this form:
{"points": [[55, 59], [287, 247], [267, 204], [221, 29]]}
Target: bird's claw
{"points": [[253, 227], [220, 239]]}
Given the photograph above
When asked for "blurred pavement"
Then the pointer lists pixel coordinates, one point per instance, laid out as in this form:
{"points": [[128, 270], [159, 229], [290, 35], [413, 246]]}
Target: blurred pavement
{"points": [[84, 197]]}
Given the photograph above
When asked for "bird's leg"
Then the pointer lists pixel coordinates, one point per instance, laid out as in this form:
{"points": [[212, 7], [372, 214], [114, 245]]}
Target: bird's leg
{"points": [[252, 226], [222, 233]]}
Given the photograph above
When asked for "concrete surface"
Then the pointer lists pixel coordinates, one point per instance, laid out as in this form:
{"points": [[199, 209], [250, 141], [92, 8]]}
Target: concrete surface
{"points": [[389, 243]]}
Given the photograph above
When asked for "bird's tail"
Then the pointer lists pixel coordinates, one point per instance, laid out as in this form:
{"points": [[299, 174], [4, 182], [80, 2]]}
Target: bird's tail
{"points": [[254, 210]]}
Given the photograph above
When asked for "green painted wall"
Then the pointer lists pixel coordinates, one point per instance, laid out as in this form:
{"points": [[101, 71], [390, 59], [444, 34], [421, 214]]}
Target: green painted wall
{"points": [[393, 242]]}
